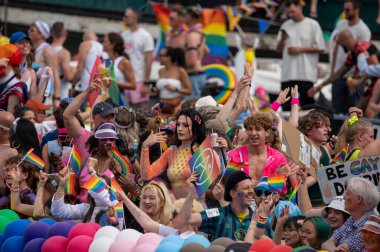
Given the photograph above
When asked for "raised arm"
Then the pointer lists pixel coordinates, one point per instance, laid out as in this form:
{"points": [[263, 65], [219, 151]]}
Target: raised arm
{"points": [[16, 204], [295, 107], [38, 210]]}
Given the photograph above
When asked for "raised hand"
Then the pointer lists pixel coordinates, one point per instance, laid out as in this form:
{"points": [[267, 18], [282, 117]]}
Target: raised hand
{"points": [[281, 219], [43, 179], [218, 192], [96, 83], [63, 176], [313, 91], [283, 96], [294, 92], [155, 138], [191, 181]]}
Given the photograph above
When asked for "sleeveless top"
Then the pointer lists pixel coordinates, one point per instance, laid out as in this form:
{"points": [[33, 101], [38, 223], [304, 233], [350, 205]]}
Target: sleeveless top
{"points": [[38, 54], [165, 93], [95, 50], [119, 75], [354, 155]]}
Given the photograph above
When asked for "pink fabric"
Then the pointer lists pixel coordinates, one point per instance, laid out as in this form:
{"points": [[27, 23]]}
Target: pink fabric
{"points": [[135, 96], [275, 159]]}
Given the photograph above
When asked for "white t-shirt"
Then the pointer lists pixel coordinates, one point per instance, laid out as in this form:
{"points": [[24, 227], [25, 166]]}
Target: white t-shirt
{"points": [[360, 31], [302, 66], [136, 44]]}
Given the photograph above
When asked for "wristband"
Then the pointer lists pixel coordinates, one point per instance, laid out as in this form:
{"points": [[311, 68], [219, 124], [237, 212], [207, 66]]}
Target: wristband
{"points": [[295, 101], [275, 106], [261, 222]]}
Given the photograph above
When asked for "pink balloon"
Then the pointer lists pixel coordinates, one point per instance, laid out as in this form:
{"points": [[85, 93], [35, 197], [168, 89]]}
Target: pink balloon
{"points": [[94, 225], [122, 246], [56, 244], [145, 248], [150, 238], [80, 243], [81, 229]]}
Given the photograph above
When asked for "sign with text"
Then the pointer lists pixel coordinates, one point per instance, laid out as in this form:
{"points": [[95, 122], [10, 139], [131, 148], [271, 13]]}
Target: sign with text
{"points": [[204, 161], [333, 178]]}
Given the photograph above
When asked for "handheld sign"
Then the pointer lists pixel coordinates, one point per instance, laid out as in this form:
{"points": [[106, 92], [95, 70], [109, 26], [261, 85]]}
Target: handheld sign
{"points": [[332, 179], [204, 161]]}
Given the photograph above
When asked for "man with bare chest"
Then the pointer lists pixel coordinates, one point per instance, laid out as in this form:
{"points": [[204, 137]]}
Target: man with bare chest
{"points": [[263, 160]]}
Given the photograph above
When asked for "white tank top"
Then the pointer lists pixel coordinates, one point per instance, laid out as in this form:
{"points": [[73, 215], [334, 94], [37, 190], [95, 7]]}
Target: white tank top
{"points": [[165, 93], [95, 50], [119, 75], [38, 54]]}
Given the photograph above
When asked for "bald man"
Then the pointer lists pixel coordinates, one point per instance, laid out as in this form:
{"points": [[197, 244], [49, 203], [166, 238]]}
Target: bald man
{"points": [[6, 120], [353, 48], [89, 49]]}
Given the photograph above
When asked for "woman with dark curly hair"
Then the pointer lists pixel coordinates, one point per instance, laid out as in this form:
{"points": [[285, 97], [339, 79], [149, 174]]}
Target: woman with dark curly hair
{"points": [[23, 137], [189, 134]]}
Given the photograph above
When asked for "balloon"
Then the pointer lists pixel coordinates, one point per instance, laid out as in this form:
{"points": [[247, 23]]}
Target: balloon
{"points": [[13, 244], [82, 229], [3, 223], [144, 248], [262, 245], [198, 239], [130, 234], [16, 228], [107, 231], [281, 248], [48, 221], [59, 229], [222, 241], [10, 214], [80, 243], [70, 223], [95, 225], [215, 248], [191, 247], [2, 239], [169, 247], [56, 244], [34, 245], [176, 239], [238, 246], [37, 229], [121, 246], [150, 238], [100, 245]]}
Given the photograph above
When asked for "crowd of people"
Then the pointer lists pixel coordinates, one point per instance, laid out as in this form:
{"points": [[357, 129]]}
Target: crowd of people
{"points": [[141, 155]]}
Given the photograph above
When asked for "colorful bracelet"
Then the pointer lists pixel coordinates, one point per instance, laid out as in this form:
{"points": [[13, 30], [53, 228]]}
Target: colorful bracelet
{"points": [[275, 106], [295, 101], [261, 222]]}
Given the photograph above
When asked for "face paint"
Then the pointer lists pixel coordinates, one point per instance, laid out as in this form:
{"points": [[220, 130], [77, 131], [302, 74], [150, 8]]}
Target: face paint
{"points": [[240, 194]]}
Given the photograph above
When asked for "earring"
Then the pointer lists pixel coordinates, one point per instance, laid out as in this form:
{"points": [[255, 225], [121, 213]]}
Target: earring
{"points": [[13, 145]]}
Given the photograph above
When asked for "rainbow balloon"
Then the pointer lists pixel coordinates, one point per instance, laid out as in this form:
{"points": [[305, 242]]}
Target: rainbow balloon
{"points": [[224, 74]]}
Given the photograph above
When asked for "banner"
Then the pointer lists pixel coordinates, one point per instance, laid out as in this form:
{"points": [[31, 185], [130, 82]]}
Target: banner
{"points": [[204, 161], [332, 179]]}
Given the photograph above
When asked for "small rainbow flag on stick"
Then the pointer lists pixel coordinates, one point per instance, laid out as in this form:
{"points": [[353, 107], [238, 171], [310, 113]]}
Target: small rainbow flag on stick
{"points": [[341, 156], [204, 161], [234, 166], [33, 159], [75, 159], [293, 195], [114, 188], [94, 184], [126, 167], [119, 210], [276, 182], [70, 186]]}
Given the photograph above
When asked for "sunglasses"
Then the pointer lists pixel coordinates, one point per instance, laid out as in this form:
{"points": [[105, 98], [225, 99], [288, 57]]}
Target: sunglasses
{"points": [[64, 138], [261, 193], [184, 124], [108, 139]]}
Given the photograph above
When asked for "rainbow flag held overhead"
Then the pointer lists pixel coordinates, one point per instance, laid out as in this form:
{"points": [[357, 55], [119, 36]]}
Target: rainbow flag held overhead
{"points": [[341, 156], [161, 12], [114, 188], [247, 9], [94, 184], [75, 159], [293, 195], [276, 182], [94, 72], [126, 167], [204, 161], [233, 16], [70, 185], [119, 210], [34, 159], [235, 166]]}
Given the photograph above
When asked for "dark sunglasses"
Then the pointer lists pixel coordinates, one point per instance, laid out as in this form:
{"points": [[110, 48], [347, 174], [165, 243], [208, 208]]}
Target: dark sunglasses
{"points": [[184, 124], [261, 193]]}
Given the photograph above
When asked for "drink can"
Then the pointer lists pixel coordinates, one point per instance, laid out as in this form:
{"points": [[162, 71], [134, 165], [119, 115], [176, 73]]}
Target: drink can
{"points": [[214, 138]]}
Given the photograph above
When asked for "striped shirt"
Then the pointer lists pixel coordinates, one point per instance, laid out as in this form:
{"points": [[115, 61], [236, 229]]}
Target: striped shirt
{"points": [[223, 222]]}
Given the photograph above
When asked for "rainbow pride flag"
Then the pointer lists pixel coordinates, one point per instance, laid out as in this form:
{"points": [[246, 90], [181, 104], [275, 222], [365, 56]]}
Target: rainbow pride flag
{"points": [[113, 90], [94, 184], [75, 159], [341, 156], [293, 195], [204, 161], [232, 15], [276, 182], [126, 167], [234, 166], [114, 188], [94, 72], [119, 210], [70, 185], [162, 15], [34, 159]]}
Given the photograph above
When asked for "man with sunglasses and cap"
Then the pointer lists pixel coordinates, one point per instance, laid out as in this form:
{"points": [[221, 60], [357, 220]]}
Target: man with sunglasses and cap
{"points": [[231, 221], [102, 112], [6, 120]]}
